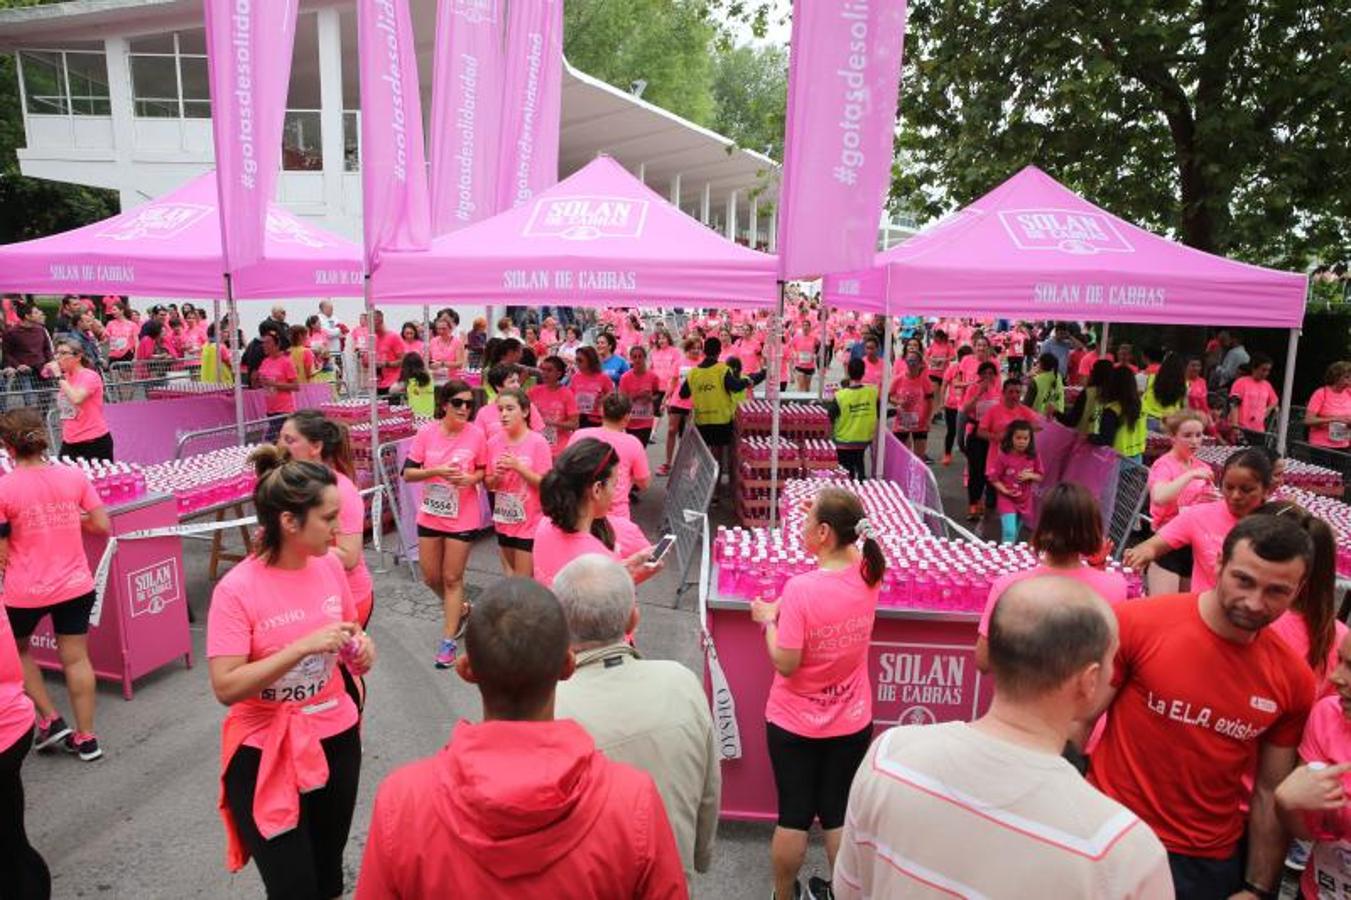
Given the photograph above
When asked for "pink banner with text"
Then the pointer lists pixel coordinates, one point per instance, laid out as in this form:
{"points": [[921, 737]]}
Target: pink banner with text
{"points": [[466, 112], [248, 46], [844, 74], [532, 98], [395, 207]]}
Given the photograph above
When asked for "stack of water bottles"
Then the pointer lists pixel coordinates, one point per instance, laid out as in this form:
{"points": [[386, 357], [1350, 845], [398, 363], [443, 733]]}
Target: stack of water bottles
{"points": [[115, 482], [1331, 510], [353, 410], [181, 388], [1296, 473], [218, 477], [797, 421]]}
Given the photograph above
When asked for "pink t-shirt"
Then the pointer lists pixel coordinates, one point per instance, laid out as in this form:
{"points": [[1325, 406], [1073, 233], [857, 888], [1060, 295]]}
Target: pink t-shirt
{"points": [[1110, 586], [279, 369], [557, 404], [555, 548], [872, 372], [121, 334], [999, 417], [1167, 468], [1327, 739], [632, 464], [389, 351], [516, 510], [1005, 469], [1291, 628], [1326, 403], [828, 615], [446, 351], [665, 364], [1254, 399], [47, 563], [673, 398], [803, 352], [443, 506], [257, 610], [913, 398], [1204, 527], [953, 398], [85, 421], [985, 401], [591, 389], [633, 386], [16, 710], [352, 520], [1197, 396]]}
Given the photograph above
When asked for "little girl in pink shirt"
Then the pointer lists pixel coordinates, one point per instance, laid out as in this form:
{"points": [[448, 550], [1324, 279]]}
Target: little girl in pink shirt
{"points": [[1012, 470]]}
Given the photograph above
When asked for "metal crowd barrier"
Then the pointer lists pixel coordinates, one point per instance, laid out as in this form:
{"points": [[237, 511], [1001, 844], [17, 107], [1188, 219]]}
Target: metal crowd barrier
{"points": [[256, 431]]}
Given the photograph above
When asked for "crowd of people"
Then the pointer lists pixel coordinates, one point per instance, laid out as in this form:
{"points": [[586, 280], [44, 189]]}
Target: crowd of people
{"points": [[1164, 746]]}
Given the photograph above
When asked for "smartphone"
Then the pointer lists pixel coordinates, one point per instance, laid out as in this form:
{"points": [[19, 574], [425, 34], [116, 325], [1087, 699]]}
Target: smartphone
{"points": [[659, 551]]}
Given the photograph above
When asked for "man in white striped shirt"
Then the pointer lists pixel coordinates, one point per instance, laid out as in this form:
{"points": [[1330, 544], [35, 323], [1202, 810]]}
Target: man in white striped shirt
{"points": [[990, 808]]}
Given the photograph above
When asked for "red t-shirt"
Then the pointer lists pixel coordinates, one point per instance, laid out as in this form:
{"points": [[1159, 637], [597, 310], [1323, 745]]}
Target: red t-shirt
{"points": [[634, 386], [1254, 399], [1179, 737], [914, 400], [999, 417], [591, 389]]}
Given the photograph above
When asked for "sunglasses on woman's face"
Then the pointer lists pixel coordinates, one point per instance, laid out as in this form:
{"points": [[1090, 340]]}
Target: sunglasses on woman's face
{"points": [[461, 402]]}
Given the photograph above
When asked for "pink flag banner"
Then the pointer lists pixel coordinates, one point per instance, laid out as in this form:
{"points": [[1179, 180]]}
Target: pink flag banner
{"points": [[532, 98], [466, 112], [248, 49], [395, 206], [844, 74]]}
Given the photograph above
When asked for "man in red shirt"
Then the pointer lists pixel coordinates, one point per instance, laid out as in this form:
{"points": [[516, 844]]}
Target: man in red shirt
{"points": [[1010, 408], [1206, 695], [389, 351], [521, 805]]}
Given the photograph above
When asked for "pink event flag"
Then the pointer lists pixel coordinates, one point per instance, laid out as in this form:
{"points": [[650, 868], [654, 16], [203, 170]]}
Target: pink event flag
{"points": [[466, 112], [248, 50], [532, 98], [395, 206], [843, 78]]}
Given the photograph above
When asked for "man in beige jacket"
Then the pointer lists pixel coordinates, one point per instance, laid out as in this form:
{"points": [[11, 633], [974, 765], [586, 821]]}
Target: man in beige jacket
{"points": [[649, 713]]}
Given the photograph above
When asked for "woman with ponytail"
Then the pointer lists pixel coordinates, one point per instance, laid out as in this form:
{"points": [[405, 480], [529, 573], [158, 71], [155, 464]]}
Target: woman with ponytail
{"points": [[290, 747], [820, 704], [310, 436]]}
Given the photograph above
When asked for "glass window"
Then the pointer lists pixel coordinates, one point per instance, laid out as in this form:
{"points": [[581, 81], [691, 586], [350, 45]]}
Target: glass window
{"points": [[88, 75], [44, 83], [154, 86], [195, 82], [351, 142], [192, 42], [302, 148], [153, 43], [197, 109]]}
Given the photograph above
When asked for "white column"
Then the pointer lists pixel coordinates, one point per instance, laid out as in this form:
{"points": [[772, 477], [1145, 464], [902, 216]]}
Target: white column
{"points": [[675, 191], [755, 221], [330, 107], [1287, 392], [642, 172], [731, 215], [706, 208], [115, 51], [774, 231]]}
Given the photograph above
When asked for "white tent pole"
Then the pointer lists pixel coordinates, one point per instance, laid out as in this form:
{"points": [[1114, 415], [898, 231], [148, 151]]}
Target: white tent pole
{"points": [[371, 342], [888, 370], [821, 350], [427, 333], [235, 358], [776, 399], [1287, 392], [1102, 341]]}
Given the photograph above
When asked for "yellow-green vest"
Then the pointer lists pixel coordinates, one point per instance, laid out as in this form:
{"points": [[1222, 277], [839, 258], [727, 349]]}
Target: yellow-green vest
{"points": [[708, 395], [1050, 388], [1129, 439], [857, 422]]}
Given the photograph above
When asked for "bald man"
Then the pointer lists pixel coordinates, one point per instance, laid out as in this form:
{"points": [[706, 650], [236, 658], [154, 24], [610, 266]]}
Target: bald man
{"points": [[1004, 814]]}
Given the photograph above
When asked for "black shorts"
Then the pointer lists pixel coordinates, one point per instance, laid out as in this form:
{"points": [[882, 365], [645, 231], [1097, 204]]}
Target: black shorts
{"points": [[467, 537], [1178, 561], [813, 775], [515, 543], [100, 447], [913, 435], [716, 435], [69, 617], [802, 371]]}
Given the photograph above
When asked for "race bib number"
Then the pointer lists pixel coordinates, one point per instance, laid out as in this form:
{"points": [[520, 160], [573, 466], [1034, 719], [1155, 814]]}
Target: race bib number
{"points": [[508, 509], [806, 358], [441, 500], [550, 435], [586, 403], [642, 409], [1339, 431], [909, 420], [117, 344], [937, 363], [1332, 868], [304, 682], [64, 407]]}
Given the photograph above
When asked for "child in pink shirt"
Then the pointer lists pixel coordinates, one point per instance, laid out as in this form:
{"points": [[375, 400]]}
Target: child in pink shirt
{"points": [[518, 459], [1012, 470], [556, 403], [590, 385], [1254, 395]]}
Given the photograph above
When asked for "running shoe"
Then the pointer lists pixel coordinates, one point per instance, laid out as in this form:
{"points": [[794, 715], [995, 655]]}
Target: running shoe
{"points": [[797, 892], [445, 655], [973, 512], [85, 745], [947, 459], [48, 734], [1298, 857], [819, 889]]}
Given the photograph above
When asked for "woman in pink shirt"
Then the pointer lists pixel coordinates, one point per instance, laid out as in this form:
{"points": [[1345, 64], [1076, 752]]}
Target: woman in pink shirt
{"points": [[1068, 540], [411, 336], [590, 385], [1252, 397], [912, 397], [664, 360], [277, 376], [819, 713], [641, 386], [518, 459], [310, 436], [79, 402], [981, 397], [952, 405], [556, 404], [280, 625], [1245, 484], [1328, 414], [449, 457], [448, 355], [1177, 480], [576, 496], [121, 333], [802, 350], [677, 407], [45, 509], [24, 868]]}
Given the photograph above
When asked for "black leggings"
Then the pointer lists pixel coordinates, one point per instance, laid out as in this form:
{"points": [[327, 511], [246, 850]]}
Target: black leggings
{"points": [[977, 449], [24, 871], [852, 461], [950, 438], [305, 862], [812, 776], [100, 447]]}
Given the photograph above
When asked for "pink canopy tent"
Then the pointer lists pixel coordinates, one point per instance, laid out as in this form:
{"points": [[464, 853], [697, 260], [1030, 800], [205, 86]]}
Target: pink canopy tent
{"points": [[600, 237], [1033, 249], [171, 246]]}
